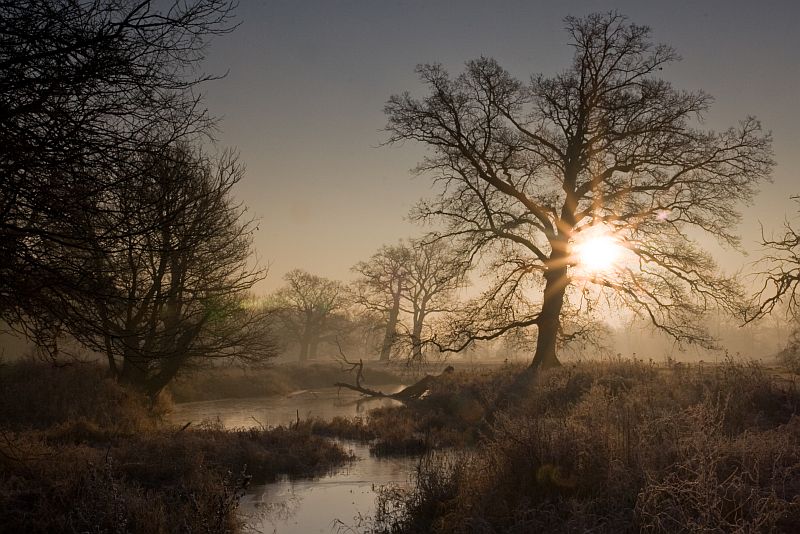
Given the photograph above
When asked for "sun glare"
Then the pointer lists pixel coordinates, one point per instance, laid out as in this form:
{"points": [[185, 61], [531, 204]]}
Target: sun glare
{"points": [[596, 251]]}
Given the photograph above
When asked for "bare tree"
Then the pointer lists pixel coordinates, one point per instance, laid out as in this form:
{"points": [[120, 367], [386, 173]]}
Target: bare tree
{"points": [[178, 293], [380, 287], [86, 88], [781, 278], [407, 284], [306, 306], [434, 272], [526, 168]]}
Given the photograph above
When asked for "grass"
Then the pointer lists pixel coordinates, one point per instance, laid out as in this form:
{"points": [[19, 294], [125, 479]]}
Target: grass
{"points": [[615, 446], [620, 447], [451, 415], [79, 453]]}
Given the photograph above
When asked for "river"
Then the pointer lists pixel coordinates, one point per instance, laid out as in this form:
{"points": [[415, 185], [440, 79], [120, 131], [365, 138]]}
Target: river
{"points": [[332, 503]]}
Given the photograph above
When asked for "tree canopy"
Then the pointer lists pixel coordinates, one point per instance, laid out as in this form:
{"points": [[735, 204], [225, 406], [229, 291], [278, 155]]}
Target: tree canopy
{"points": [[86, 89], [528, 169]]}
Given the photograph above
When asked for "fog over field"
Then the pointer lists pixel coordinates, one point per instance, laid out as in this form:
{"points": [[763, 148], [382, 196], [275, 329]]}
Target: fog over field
{"points": [[400, 266]]}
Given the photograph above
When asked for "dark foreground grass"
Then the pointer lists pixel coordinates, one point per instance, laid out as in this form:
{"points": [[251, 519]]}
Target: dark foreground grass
{"points": [[620, 447], [78, 453]]}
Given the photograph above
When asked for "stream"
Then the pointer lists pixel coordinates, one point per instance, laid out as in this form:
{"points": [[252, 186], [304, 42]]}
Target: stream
{"points": [[331, 503]]}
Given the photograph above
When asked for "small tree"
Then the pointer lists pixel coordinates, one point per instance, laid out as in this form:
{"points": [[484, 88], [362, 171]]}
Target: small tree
{"points": [[174, 291], [528, 170], [781, 286], [407, 284], [87, 87], [781, 283], [380, 288], [434, 272], [306, 307]]}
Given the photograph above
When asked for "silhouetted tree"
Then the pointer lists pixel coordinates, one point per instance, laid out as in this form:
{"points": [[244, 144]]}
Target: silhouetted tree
{"points": [[408, 283], [781, 288], [306, 307], [87, 88], [782, 277], [380, 287], [434, 272], [176, 292], [524, 168]]}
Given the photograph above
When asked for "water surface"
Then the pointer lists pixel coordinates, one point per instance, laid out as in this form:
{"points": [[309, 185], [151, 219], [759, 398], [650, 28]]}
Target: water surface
{"points": [[332, 503]]}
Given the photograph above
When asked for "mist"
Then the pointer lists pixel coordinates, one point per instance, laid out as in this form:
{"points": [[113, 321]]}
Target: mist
{"points": [[399, 267]]}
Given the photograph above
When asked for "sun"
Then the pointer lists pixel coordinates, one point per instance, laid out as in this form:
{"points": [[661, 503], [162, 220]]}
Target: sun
{"points": [[596, 250]]}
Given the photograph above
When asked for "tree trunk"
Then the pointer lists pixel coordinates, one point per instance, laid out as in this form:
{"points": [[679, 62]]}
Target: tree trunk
{"points": [[167, 370], [550, 319], [413, 392], [391, 328], [303, 349], [134, 372], [416, 341]]}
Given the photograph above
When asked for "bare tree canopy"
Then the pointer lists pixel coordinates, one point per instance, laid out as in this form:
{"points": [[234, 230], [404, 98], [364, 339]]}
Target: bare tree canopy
{"points": [[435, 272], [174, 293], [781, 279], [306, 308], [380, 287], [408, 284], [86, 88], [527, 170]]}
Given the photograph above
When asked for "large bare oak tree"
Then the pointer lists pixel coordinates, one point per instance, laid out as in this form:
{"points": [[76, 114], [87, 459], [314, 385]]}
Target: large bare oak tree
{"points": [[525, 167]]}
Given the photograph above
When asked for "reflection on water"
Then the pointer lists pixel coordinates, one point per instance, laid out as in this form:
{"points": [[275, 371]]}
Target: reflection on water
{"points": [[323, 403], [327, 504]]}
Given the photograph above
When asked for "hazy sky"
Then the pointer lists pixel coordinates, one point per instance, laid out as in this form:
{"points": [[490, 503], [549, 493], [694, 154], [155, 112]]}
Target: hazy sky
{"points": [[308, 80]]}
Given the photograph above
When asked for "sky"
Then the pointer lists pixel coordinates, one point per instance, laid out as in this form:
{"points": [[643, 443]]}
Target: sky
{"points": [[306, 83]]}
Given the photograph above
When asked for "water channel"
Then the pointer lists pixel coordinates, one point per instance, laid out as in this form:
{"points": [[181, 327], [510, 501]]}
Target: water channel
{"points": [[332, 503]]}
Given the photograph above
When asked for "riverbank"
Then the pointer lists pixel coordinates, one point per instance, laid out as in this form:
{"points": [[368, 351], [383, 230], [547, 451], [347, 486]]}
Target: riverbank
{"points": [[79, 453], [279, 379], [619, 447]]}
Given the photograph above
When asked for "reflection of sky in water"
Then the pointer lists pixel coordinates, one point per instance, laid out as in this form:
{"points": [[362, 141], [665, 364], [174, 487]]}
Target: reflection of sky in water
{"points": [[334, 503], [323, 403], [328, 504]]}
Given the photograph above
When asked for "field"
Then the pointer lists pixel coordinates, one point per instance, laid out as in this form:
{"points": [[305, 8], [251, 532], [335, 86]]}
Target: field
{"points": [[614, 446]]}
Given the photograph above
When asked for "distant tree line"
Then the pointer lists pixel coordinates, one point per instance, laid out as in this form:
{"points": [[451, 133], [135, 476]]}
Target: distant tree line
{"points": [[390, 310]]}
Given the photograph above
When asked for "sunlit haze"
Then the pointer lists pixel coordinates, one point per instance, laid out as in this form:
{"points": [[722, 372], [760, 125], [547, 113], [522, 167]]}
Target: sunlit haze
{"points": [[307, 81], [596, 251]]}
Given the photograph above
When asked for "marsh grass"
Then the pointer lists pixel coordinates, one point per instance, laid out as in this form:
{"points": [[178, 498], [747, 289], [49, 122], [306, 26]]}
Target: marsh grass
{"points": [[79, 453], [621, 447], [450, 415]]}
